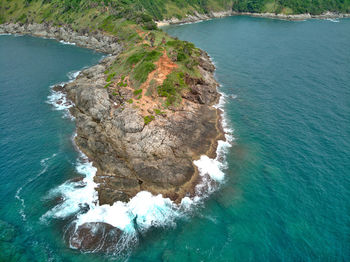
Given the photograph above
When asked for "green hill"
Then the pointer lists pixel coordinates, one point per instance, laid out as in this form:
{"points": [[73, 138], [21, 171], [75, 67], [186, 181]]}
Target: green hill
{"points": [[68, 11]]}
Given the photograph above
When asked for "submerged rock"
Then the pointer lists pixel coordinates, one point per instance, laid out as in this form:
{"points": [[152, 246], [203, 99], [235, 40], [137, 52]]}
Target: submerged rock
{"points": [[94, 237]]}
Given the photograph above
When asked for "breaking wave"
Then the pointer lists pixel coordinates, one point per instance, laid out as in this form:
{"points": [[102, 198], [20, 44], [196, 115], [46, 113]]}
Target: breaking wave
{"points": [[58, 97], [334, 20], [66, 43]]}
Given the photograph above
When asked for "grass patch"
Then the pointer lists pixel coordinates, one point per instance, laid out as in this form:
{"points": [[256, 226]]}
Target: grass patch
{"points": [[158, 112], [142, 71]]}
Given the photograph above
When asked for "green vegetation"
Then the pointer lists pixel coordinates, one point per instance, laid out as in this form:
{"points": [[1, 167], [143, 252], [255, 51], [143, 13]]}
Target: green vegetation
{"points": [[109, 77], [121, 83], [137, 92], [142, 71], [158, 112], [172, 87], [107, 85], [148, 119], [130, 101], [292, 6]]}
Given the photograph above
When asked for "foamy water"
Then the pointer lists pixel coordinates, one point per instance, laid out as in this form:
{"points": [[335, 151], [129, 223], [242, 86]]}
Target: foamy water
{"points": [[334, 20], [59, 99], [67, 43]]}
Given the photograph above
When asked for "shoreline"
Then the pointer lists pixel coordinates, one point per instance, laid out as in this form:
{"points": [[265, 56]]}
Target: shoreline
{"points": [[213, 15], [98, 41]]}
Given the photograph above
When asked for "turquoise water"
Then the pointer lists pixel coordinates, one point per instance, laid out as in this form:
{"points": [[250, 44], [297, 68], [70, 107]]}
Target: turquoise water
{"points": [[36, 149], [286, 195]]}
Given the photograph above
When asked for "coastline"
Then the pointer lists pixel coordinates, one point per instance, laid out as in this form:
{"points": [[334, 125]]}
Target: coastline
{"points": [[205, 96], [98, 41], [212, 15]]}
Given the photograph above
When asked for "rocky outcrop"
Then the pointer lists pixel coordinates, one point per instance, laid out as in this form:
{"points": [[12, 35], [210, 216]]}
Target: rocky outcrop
{"points": [[196, 17], [97, 40], [131, 155]]}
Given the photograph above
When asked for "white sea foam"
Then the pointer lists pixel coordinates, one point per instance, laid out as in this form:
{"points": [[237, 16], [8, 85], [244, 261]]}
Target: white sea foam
{"points": [[334, 20], [75, 195], [66, 43], [59, 99], [73, 75], [145, 209], [210, 167]]}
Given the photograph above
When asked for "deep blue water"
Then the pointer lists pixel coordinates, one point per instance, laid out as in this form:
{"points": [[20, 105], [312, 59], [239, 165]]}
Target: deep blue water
{"points": [[286, 195]]}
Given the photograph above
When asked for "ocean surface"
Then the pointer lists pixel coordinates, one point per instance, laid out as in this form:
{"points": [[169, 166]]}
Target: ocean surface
{"points": [[285, 195]]}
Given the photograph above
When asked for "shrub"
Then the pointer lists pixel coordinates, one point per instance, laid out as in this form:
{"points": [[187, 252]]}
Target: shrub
{"points": [[148, 119], [109, 77], [107, 85], [172, 86], [137, 92]]}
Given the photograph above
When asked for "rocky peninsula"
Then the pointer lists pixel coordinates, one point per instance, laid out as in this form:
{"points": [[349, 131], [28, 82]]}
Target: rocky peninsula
{"points": [[137, 143]]}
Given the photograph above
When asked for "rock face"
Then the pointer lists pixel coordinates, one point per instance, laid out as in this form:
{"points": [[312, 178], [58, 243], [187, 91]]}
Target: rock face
{"points": [[132, 156]]}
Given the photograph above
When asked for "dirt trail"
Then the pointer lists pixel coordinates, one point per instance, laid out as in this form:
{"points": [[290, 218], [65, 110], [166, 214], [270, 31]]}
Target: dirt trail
{"points": [[164, 66]]}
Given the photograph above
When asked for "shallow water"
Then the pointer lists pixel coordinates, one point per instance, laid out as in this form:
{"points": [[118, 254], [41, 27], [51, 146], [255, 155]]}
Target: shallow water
{"points": [[286, 195]]}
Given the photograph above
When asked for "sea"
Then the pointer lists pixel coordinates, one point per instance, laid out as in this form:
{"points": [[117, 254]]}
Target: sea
{"points": [[282, 177]]}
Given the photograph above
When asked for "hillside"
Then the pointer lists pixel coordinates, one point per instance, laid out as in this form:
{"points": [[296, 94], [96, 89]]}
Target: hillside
{"points": [[93, 12]]}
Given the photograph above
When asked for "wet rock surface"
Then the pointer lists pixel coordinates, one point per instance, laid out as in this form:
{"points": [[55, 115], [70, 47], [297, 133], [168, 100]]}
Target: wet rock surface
{"points": [[93, 237]]}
